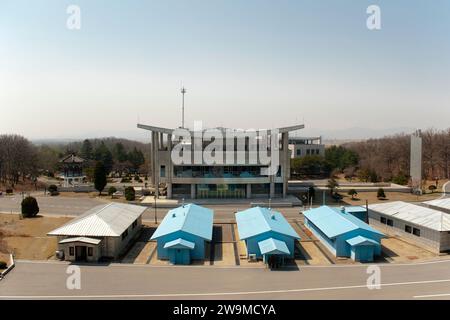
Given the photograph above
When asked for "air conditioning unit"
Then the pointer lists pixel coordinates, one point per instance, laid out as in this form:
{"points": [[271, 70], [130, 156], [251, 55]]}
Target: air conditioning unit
{"points": [[59, 254], [252, 257]]}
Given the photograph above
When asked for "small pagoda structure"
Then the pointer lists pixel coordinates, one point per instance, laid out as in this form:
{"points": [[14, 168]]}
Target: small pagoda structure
{"points": [[72, 170]]}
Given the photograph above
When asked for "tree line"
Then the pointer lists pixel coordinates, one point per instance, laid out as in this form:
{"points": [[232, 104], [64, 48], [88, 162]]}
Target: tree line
{"points": [[388, 158], [383, 159], [20, 159]]}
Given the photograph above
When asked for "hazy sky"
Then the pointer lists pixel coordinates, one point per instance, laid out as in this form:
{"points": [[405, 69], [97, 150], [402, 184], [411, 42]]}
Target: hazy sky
{"points": [[245, 64]]}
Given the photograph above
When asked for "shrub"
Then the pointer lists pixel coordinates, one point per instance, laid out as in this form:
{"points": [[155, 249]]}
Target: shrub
{"points": [[3, 265], [136, 178], [401, 179], [52, 188], [381, 194], [9, 191], [432, 188], [111, 190], [352, 192], [125, 180], [130, 194], [145, 192], [30, 207]]}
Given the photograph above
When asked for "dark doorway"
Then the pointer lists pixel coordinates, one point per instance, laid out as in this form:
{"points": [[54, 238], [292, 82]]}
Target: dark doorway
{"points": [[80, 253]]}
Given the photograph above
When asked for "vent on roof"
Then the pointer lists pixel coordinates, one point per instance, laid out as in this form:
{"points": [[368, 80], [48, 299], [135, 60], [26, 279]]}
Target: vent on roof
{"points": [[173, 215], [343, 209], [272, 216]]}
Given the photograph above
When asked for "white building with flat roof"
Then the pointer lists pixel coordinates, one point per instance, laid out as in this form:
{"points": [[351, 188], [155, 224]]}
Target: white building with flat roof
{"points": [[425, 226]]}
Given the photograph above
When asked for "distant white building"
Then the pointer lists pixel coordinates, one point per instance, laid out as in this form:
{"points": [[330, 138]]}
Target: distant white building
{"points": [[102, 232], [427, 227], [305, 146]]}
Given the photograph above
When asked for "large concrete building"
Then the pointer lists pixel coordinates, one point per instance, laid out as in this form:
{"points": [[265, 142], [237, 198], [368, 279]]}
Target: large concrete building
{"points": [[104, 231], [229, 179]]}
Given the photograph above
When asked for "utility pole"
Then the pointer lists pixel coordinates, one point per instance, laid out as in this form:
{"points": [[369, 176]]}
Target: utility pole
{"points": [[156, 219], [183, 91]]}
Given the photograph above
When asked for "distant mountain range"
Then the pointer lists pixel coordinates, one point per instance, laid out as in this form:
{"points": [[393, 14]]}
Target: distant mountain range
{"points": [[329, 136]]}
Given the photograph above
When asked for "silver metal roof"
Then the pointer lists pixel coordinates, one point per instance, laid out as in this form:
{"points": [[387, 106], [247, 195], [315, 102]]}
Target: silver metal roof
{"points": [[441, 203], [415, 214], [106, 220]]}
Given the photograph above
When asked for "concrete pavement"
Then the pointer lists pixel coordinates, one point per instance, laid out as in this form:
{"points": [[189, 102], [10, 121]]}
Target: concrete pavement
{"points": [[50, 205], [67, 206], [47, 280]]}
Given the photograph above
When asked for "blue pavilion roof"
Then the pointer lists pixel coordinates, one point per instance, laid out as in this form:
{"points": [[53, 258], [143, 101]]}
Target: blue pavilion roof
{"points": [[189, 218]]}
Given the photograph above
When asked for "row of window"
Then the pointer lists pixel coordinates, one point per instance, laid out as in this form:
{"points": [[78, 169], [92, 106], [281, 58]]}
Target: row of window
{"points": [[408, 229], [125, 233], [308, 151]]}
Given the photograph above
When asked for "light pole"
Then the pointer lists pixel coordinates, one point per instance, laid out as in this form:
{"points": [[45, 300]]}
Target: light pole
{"points": [[183, 91], [156, 218]]}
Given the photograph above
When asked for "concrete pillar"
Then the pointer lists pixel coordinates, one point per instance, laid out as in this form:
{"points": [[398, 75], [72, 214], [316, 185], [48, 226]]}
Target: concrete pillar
{"points": [[169, 169], [272, 189], [156, 166], [193, 191], [249, 190], [152, 158], [169, 191]]}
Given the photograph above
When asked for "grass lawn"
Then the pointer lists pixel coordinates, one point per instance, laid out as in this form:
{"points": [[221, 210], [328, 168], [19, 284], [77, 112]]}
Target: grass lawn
{"points": [[27, 238]]}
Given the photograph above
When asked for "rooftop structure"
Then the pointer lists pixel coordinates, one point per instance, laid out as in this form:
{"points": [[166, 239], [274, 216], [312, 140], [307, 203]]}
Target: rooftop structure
{"points": [[305, 146]]}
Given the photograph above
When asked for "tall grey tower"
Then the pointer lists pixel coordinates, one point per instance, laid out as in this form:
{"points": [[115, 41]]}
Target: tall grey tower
{"points": [[416, 161]]}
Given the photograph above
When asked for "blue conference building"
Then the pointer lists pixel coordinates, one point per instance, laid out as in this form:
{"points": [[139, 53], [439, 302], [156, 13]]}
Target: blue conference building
{"points": [[266, 233], [182, 234], [343, 233]]}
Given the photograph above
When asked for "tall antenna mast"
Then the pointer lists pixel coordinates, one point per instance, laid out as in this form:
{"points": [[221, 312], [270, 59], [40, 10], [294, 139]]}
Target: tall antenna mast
{"points": [[183, 91]]}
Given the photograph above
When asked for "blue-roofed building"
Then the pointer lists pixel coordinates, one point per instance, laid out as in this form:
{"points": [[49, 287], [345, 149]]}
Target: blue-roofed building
{"points": [[266, 233], [344, 234], [182, 234]]}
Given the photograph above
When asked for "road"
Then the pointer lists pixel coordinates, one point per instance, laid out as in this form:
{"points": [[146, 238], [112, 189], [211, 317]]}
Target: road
{"points": [[51, 205], [47, 280], [67, 206]]}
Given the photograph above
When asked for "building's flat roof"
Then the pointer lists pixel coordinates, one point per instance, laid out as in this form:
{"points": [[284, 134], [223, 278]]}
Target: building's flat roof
{"points": [[257, 220], [273, 246], [332, 222], [190, 218], [170, 131], [415, 214], [106, 220]]}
